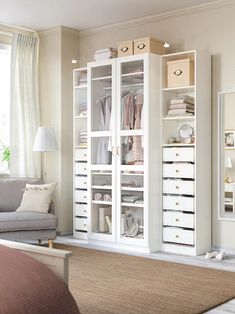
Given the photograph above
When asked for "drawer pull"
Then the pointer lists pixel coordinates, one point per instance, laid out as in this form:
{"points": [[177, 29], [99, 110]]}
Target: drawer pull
{"points": [[177, 204], [85, 155], [177, 171], [84, 197], [84, 224], [177, 154], [85, 211], [177, 187], [177, 220], [85, 183], [85, 168], [177, 236]]}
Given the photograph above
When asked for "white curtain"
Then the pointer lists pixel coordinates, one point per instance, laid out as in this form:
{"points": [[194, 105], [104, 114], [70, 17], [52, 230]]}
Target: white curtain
{"points": [[25, 117]]}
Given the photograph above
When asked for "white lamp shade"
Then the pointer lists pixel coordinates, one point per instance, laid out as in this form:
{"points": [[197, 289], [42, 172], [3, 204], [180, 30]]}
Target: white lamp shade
{"points": [[228, 162], [45, 140]]}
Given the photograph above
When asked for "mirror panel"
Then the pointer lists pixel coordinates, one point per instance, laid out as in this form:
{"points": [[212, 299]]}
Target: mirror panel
{"points": [[226, 155]]}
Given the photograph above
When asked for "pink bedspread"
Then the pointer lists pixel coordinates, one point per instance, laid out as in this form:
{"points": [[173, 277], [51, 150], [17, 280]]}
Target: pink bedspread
{"points": [[29, 287]]}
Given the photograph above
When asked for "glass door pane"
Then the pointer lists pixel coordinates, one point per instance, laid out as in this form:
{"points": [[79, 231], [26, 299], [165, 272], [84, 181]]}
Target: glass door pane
{"points": [[102, 159], [131, 151]]}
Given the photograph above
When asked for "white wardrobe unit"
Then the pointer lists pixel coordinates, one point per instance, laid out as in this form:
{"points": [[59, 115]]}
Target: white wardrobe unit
{"points": [[186, 167], [80, 153], [123, 152]]}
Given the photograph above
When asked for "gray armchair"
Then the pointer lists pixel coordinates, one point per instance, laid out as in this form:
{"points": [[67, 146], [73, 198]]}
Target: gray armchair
{"points": [[23, 226]]}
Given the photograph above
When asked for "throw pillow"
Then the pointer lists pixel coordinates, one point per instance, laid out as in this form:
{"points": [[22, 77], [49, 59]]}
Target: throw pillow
{"points": [[37, 198]]}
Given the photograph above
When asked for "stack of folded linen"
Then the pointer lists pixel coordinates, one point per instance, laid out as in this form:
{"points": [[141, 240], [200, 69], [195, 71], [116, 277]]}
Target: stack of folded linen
{"points": [[83, 79], [181, 105], [83, 110], [83, 137], [105, 54]]}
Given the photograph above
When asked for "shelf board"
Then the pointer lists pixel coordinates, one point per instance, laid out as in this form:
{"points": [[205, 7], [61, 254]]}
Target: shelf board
{"points": [[80, 146], [80, 86], [102, 78], [132, 174], [123, 188], [102, 173], [102, 187], [101, 202], [132, 167], [132, 85], [101, 134], [132, 74], [101, 167], [178, 144], [179, 118], [137, 132], [133, 204], [80, 117], [179, 89]]}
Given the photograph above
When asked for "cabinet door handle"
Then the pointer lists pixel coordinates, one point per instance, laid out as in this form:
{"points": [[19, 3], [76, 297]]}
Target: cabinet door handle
{"points": [[113, 150], [118, 150]]}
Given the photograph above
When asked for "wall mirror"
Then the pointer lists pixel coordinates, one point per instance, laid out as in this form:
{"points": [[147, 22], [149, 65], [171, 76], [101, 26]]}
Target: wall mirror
{"points": [[226, 155]]}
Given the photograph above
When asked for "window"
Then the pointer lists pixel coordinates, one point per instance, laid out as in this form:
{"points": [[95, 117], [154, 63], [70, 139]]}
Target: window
{"points": [[5, 66]]}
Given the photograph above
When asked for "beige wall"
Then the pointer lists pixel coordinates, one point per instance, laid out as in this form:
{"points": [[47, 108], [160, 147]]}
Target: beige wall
{"points": [[212, 29], [57, 47]]}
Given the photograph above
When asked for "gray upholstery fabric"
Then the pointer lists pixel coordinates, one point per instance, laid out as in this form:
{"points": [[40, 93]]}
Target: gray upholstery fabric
{"points": [[11, 192], [17, 221], [28, 235]]}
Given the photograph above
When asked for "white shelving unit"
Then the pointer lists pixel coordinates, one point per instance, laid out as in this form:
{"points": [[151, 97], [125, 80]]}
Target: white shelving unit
{"points": [[120, 177], [80, 210], [186, 187]]}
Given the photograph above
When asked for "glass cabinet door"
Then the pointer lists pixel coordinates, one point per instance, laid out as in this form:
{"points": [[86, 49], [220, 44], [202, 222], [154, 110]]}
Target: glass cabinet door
{"points": [[102, 159], [130, 143]]}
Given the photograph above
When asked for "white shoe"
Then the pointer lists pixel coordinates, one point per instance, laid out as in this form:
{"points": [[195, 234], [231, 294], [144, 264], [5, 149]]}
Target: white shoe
{"points": [[210, 255], [220, 256]]}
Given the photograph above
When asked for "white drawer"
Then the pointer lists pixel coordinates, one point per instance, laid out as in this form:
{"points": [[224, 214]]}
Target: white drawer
{"points": [[81, 224], [178, 170], [80, 235], [81, 168], [178, 187], [178, 219], [81, 196], [178, 235], [178, 203], [80, 182], [80, 210], [81, 154], [178, 154]]}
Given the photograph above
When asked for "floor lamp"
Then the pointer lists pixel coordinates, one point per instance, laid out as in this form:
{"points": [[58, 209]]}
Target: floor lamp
{"points": [[45, 141]]}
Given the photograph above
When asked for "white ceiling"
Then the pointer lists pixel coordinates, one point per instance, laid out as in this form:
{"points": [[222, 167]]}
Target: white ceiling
{"points": [[83, 14]]}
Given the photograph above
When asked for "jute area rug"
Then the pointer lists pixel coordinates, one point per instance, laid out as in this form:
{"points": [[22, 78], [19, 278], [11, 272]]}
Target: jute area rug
{"points": [[110, 283]]}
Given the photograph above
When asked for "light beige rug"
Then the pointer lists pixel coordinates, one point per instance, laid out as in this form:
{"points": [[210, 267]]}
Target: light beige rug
{"points": [[110, 283]]}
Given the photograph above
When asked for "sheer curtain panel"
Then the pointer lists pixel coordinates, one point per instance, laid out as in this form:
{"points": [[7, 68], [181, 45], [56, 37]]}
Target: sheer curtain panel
{"points": [[25, 117]]}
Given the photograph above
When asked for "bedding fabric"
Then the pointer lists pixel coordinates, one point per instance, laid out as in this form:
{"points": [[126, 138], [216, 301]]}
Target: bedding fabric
{"points": [[28, 286]]}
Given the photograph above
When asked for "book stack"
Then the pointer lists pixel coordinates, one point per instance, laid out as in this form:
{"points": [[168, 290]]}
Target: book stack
{"points": [[83, 137], [105, 54], [181, 105]]}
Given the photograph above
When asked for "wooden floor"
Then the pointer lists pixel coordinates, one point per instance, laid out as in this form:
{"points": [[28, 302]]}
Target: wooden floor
{"points": [[228, 264]]}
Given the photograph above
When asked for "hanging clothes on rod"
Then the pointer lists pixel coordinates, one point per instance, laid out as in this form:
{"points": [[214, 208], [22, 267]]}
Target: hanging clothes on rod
{"points": [[103, 146]]}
